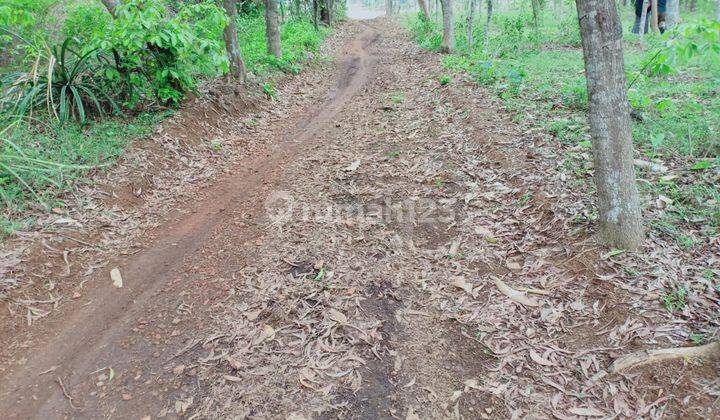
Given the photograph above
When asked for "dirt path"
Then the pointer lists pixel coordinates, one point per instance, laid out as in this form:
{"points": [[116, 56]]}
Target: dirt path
{"points": [[95, 336], [348, 269]]}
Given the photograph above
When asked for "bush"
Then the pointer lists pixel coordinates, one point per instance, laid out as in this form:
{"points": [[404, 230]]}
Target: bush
{"points": [[156, 55]]}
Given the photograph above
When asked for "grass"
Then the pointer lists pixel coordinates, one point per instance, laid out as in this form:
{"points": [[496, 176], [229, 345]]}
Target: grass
{"points": [[69, 151], [42, 160], [541, 73], [297, 38]]}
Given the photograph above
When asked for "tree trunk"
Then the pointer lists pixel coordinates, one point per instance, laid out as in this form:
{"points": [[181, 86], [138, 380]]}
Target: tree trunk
{"points": [[111, 5], [643, 18], [618, 202], [717, 10], [448, 39], [487, 22], [315, 12], [271, 28], [237, 66], [325, 12], [437, 11], [536, 13], [654, 20], [470, 16], [424, 9], [388, 7], [673, 13]]}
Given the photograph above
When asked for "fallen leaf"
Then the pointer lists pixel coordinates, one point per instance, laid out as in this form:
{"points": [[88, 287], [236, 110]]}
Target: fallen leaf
{"points": [[337, 316], [539, 359], [353, 166], [116, 277], [514, 294]]}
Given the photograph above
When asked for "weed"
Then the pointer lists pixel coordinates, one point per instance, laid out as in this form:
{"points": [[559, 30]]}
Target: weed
{"points": [[697, 338], [674, 299], [397, 98], [269, 90], [444, 79]]}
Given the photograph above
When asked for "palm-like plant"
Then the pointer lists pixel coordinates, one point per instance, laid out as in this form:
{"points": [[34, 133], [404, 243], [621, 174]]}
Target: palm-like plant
{"points": [[65, 85]]}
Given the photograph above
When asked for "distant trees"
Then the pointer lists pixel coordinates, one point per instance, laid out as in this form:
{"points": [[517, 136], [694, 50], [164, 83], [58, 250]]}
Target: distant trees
{"points": [[470, 17], [618, 202]]}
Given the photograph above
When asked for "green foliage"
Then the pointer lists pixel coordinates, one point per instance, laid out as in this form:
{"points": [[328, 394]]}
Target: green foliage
{"points": [[151, 54], [86, 22], [37, 161], [688, 43], [444, 79], [298, 37], [157, 55], [674, 299], [269, 90], [65, 87]]}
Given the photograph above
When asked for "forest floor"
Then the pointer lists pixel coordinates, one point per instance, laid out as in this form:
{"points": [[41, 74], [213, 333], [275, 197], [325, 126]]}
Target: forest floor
{"points": [[371, 244]]}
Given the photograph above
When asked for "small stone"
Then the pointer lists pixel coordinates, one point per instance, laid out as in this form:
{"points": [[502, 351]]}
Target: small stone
{"points": [[126, 397]]}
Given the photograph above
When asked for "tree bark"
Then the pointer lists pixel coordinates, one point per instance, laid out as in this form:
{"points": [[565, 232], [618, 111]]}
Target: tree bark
{"points": [[643, 18], [326, 12], [487, 22], [237, 65], [654, 20], [388, 7], [673, 13], [448, 39], [111, 5], [315, 12], [271, 28], [618, 202], [424, 9], [536, 13], [470, 16]]}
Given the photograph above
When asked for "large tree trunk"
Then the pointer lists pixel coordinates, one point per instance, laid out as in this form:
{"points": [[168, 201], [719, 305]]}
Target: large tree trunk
{"points": [[424, 9], [448, 39], [618, 203], [487, 22], [111, 5], [673, 13], [271, 28], [237, 66], [470, 16]]}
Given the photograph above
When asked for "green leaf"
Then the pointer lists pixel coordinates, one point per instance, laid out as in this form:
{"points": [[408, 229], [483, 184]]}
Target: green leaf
{"points": [[702, 165]]}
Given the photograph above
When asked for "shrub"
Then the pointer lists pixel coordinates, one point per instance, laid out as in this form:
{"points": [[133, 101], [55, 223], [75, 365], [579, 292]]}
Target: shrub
{"points": [[156, 55], [65, 86]]}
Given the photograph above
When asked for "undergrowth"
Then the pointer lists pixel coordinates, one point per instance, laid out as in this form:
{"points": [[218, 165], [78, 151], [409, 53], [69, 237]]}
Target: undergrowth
{"points": [[674, 94], [114, 81]]}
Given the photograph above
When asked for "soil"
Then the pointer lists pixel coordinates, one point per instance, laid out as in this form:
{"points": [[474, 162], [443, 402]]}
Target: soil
{"points": [[335, 253]]}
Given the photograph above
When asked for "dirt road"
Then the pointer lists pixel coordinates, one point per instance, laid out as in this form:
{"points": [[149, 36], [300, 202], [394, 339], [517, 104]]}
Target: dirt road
{"points": [[350, 268]]}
